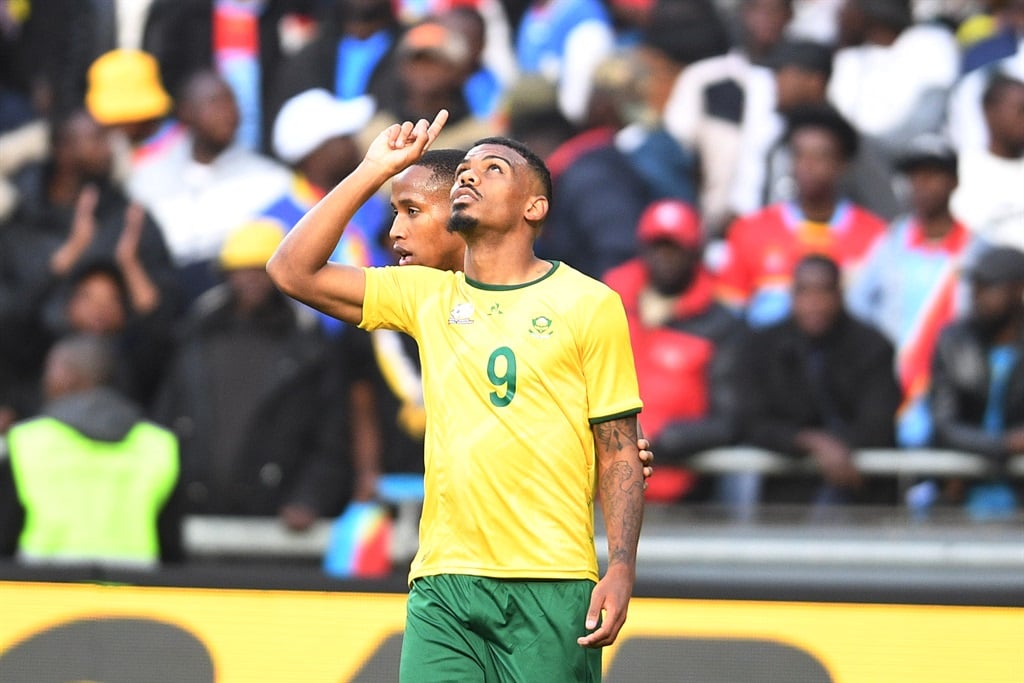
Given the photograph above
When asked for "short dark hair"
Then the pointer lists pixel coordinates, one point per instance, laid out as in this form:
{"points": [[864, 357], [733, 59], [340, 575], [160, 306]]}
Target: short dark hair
{"points": [[825, 118], [537, 164], [686, 32], [896, 14], [995, 89], [442, 164], [807, 55], [90, 356], [822, 261]]}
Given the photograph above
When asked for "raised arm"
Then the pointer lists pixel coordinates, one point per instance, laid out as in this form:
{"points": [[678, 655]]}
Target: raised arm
{"points": [[300, 266], [621, 491]]}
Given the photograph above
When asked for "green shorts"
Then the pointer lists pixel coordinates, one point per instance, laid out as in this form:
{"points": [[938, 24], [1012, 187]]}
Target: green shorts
{"points": [[475, 629]]}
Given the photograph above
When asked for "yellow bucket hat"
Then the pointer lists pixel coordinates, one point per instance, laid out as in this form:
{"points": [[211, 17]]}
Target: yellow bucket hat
{"points": [[251, 245], [125, 87]]}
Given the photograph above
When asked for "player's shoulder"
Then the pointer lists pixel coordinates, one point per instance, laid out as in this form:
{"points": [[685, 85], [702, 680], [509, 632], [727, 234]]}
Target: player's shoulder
{"points": [[568, 279], [412, 274]]}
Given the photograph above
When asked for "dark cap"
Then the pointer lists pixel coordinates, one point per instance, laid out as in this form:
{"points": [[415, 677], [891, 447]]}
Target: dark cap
{"points": [[806, 55], [897, 14], [997, 266], [927, 151]]}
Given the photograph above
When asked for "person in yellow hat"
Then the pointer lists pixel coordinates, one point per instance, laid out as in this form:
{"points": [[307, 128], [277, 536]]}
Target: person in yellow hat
{"points": [[124, 92], [254, 380]]}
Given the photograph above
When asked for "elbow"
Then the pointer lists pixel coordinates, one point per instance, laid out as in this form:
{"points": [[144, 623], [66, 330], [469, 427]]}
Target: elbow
{"points": [[281, 275]]}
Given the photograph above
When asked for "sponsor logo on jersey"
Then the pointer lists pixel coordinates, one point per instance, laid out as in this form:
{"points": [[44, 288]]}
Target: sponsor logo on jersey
{"points": [[462, 314]]}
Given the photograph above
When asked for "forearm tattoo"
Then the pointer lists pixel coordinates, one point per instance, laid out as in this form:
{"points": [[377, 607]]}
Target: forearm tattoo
{"points": [[620, 486]]}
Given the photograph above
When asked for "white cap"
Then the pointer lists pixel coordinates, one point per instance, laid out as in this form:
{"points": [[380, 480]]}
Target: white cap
{"points": [[313, 117]]}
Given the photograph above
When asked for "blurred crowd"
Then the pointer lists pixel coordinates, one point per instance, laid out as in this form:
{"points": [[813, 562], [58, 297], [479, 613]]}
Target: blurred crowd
{"points": [[812, 209]]}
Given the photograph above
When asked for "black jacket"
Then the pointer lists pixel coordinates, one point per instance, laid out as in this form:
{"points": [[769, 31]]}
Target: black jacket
{"points": [[856, 400], [960, 387], [291, 447]]}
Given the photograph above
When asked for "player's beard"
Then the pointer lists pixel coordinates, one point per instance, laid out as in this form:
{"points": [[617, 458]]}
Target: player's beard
{"points": [[461, 222]]}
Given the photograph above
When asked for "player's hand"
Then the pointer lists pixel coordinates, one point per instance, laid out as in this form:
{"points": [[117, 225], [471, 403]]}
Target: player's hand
{"points": [[646, 456], [401, 145], [609, 602]]}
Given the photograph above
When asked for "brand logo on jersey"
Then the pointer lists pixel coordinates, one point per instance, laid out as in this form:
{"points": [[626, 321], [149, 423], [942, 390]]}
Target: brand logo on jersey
{"points": [[495, 309], [462, 314], [541, 326]]}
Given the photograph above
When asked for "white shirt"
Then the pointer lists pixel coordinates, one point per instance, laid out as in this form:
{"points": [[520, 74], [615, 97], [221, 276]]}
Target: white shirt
{"points": [[878, 88], [966, 125], [197, 205], [990, 197]]}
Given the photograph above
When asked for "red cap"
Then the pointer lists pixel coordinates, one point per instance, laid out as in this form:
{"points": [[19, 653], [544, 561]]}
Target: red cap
{"points": [[673, 220]]}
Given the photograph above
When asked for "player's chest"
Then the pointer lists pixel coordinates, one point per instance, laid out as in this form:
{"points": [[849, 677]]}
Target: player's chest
{"points": [[529, 327]]}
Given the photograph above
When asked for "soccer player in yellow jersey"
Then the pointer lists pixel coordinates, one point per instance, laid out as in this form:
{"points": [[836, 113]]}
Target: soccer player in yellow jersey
{"points": [[420, 201], [531, 398]]}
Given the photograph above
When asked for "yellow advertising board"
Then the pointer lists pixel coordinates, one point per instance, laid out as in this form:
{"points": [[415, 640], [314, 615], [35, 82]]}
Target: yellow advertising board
{"points": [[109, 634]]}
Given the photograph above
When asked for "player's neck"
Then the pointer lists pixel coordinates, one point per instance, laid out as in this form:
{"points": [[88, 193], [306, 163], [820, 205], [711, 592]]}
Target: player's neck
{"points": [[503, 264]]}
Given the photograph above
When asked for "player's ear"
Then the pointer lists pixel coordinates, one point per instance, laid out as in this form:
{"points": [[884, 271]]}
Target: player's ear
{"points": [[536, 208]]}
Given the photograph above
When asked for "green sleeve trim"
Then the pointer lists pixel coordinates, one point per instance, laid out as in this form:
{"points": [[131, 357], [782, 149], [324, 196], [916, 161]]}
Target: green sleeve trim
{"points": [[616, 416]]}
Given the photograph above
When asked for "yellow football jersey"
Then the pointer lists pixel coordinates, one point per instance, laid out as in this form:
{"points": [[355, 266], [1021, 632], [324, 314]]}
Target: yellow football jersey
{"points": [[513, 378]]}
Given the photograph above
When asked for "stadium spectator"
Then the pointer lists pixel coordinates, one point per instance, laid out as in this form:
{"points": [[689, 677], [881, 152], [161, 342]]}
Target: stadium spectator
{"points": [[885, 58], [684, 343], [763, 248], [72, 213], [564, 41], [965, 115], [977, 392], [59, 39], [483, 86], [126, 95], [431, 65], [203, 189], [89, 480], [253, 394], [243, 40], [708, 99], [349, 57], [910, 284], [797, 76], [601, 195], [677, 34], [1007, 32], [988, 198], [820, 385], [117, 298], [316, 135]]}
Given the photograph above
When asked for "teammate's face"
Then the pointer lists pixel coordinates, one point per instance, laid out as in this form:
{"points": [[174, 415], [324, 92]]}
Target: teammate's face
{"points": [[419, 232], [492, 188]]}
